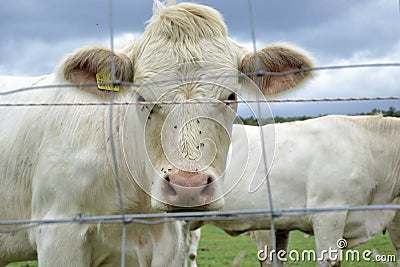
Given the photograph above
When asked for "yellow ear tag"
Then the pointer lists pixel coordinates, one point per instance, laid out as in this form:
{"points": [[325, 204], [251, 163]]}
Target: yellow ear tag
{"points": [[104, 83]]}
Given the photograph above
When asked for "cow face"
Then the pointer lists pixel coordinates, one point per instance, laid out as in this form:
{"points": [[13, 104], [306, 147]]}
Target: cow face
{"points": [[184, 59], [186, 125]]}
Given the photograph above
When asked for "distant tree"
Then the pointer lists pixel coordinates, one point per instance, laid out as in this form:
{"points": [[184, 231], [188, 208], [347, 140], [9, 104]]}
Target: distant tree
{"points": [[256, 122], [391, 112], [289, 119], [250, 121]]}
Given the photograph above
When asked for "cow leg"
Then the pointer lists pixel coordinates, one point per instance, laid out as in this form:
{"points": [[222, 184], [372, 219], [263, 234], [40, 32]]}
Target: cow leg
{"points": [[282, 242], [394, 233], [63, 245], [328, 229], [263, 239], [194, 240]]}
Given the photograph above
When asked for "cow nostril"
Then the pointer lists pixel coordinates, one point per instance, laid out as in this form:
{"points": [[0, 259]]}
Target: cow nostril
{"points": [[208, 189], [169, 188]]}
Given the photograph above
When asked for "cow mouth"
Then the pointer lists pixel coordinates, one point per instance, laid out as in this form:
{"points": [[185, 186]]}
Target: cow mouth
{"points": [[172, 209]]}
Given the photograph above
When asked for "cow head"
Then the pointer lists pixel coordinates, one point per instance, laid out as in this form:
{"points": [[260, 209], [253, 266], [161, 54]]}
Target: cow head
{"points": [[186, 58], [186, 67]]}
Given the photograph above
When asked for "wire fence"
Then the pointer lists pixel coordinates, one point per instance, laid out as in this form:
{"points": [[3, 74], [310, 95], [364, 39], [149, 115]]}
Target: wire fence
{"points": [[13, 226], [159, 218], [192, 102]]}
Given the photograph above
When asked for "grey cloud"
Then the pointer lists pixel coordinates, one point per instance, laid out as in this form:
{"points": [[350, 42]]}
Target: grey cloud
{"points": [[37, 34], [330, 29], [57, 19]]}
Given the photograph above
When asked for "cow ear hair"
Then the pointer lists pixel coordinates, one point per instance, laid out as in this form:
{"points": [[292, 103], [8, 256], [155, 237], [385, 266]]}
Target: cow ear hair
{"points": [[278, 58], [83, 65]]}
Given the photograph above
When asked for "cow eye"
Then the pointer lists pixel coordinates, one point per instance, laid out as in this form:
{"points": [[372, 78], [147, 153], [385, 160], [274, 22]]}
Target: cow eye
{"points": [[231, 97], [140, 99]]}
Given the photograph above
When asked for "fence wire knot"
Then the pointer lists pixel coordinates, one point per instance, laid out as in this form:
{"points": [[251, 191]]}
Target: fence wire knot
{"points": [[78, 217]]}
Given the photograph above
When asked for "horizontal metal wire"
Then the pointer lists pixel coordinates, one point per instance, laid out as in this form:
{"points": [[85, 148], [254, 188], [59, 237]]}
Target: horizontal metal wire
{"points": [[198, 101], [158, 218]]}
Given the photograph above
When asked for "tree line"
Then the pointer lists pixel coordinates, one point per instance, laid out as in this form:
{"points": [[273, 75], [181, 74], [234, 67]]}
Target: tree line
{"points": [[391, 112]]}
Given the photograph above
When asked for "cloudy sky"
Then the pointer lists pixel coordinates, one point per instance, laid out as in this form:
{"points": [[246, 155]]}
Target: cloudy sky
{"points": [[36, 34]]}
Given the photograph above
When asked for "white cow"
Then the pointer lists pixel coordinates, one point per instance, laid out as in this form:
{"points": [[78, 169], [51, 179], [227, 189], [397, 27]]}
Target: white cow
{"points": [[57, 160], [333, 161]]}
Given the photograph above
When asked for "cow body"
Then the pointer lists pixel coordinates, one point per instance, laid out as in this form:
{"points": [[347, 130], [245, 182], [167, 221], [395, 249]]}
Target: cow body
{"points": [[41, 145], [57, 160], [334, 161]]}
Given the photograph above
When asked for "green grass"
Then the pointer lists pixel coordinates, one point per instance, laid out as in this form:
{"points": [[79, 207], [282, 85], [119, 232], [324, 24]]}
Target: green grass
{"points": [[23, 264], [380, 243], [219, 249]]}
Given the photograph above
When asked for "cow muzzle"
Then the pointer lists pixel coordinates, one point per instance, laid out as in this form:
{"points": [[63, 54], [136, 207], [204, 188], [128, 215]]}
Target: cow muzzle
{"points": [[189, 189]]}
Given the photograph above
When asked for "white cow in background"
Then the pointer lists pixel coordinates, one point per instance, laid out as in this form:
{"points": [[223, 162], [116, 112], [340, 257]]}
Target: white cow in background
{"points": [[57, 160], [333, 161]]}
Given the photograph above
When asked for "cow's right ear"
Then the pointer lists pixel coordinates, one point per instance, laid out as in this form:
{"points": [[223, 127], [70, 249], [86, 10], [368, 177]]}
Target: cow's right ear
{"points": [[83, 65]]}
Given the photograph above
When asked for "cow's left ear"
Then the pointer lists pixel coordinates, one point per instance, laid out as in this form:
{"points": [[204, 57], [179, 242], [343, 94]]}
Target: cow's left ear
{"points": [[83, 65], [278, 58]]}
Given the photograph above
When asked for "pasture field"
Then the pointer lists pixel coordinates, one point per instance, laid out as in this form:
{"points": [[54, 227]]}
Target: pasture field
{"points": [[218, 249]]}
